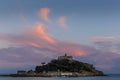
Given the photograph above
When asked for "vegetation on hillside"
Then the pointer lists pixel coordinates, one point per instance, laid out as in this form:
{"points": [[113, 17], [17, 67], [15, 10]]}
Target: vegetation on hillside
{"points": [[68, 66]]}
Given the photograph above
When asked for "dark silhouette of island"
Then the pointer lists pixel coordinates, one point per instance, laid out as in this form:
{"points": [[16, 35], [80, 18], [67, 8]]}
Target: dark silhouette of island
{"points": [[63, 66]]}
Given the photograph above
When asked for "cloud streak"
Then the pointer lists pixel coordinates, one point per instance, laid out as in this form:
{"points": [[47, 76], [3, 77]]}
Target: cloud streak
{"points": [[107, 43], [102, 38]]}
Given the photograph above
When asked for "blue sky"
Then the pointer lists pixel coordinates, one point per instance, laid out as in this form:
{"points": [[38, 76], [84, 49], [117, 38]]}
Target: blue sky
{"points": [[88, 24], [86, 18]]}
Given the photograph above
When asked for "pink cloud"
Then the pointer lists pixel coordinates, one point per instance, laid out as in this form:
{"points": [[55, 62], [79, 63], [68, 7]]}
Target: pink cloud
{"points": [[41, 32], [62, 22], [36, 36], [39, 37], [43, 13]]}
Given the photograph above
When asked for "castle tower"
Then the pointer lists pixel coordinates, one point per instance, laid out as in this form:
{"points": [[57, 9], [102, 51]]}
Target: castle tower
{"points": [[65, 57]]}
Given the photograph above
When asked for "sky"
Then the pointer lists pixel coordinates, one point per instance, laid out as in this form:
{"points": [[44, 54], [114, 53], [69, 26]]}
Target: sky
{"points": [[35, 31]]}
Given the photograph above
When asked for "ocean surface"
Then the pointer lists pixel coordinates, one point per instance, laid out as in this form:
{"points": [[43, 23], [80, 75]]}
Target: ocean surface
{"points": [[109, 77]]}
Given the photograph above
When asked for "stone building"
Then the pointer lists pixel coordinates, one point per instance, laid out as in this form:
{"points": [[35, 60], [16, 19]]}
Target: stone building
{"points": [[65, 57], [21, 72]]}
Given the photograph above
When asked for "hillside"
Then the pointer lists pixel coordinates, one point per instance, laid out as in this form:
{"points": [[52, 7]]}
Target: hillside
{"points": [[68, 65]]}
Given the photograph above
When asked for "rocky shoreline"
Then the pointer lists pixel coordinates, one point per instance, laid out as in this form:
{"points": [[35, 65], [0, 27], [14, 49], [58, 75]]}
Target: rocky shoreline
{"points": [[52, 75]]}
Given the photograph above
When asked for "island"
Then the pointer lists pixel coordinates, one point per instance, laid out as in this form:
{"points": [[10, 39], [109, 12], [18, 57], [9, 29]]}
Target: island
{"points": [[62, 66]]}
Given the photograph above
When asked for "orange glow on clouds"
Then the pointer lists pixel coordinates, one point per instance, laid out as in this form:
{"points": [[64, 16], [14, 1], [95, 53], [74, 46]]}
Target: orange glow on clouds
{"points": [[42, 33], [43, 13], [76, 52], [72, 48], [38, 36]]}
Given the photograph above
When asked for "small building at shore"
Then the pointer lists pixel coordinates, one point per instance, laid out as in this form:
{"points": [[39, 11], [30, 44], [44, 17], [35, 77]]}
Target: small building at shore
{"points": [[21, 72]]}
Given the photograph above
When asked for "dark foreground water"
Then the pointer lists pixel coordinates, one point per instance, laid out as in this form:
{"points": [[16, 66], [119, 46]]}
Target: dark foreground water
{"points": [[110, 77]]}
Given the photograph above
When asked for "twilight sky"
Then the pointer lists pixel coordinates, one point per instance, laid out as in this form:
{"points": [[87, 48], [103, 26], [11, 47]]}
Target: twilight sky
{"points": [[33, 31]]}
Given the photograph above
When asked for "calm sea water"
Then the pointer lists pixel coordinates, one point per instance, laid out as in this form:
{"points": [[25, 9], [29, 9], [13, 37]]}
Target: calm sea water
{"points": [[110, 77]]}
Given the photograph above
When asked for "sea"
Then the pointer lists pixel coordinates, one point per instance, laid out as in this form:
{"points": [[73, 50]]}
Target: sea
{"points": [[109, 77]]}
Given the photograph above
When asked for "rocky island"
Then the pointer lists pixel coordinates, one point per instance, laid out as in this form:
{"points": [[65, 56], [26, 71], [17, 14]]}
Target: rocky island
{"points": [[63, 66]]}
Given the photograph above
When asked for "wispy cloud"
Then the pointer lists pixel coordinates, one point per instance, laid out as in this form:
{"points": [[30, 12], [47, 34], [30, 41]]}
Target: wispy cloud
{"points": [[44, 14], [107, 43], [62, 21], [102, 38]]}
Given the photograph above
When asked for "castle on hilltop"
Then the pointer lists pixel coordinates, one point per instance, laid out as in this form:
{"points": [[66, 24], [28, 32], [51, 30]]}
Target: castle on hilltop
{"points": [[65, 57], [63, 66]]}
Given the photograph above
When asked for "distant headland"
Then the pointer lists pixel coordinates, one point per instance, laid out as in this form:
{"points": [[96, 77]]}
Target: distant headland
{"points": [[62, 66]]}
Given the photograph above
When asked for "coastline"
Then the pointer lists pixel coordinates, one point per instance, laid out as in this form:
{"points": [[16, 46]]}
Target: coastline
{"points": [[52, 75]]}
